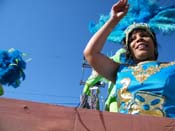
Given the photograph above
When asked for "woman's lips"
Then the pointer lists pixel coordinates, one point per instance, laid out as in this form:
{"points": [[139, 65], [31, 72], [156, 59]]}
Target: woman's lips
{"points": [[142, 46]]}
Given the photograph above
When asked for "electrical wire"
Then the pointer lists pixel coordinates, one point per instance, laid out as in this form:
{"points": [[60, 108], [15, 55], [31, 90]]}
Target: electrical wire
{"points": [[44, 95]]}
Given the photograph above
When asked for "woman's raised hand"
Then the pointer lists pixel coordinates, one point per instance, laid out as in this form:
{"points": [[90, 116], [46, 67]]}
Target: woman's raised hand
{"points": [[119, 9]]}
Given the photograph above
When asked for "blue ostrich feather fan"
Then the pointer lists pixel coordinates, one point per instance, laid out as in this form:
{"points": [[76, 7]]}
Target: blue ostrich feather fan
{"points": [[12, 67], [160, 16]]}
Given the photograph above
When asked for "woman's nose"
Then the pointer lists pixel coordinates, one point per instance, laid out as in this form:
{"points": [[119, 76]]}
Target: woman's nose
{"points": [[139, 38]]}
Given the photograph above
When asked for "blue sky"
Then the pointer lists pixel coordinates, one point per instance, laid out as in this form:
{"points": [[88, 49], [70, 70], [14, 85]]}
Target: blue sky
{"points": [[54, 33]]}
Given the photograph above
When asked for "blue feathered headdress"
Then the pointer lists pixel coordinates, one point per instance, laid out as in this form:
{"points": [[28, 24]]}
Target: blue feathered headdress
{"points": [[158, 17], [12, 67]]}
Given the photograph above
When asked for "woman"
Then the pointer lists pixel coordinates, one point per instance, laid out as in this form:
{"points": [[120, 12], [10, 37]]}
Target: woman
{"points": [[144, 87]]}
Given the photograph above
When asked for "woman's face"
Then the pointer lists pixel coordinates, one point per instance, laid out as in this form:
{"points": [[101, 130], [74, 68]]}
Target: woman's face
{"points": [[141, 46]]}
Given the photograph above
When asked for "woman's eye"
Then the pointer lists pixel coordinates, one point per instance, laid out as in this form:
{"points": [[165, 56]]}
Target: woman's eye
{"points": [[131, 39], [144, 35]]}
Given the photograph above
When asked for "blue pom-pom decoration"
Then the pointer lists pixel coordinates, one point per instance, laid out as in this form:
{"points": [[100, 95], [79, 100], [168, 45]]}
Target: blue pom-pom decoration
{"points": [[12, 67]]}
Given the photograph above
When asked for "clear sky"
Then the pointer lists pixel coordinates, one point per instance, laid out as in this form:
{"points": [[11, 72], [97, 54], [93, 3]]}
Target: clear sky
{"points": [[54, 33]]}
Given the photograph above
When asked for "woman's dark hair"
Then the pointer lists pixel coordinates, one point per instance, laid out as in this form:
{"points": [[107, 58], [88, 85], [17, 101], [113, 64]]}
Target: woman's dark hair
{"points": [[127, 48]]}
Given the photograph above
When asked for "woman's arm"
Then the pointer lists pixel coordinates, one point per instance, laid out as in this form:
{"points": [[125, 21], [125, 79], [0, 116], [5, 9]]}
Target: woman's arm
{"points": [[101, 63]]}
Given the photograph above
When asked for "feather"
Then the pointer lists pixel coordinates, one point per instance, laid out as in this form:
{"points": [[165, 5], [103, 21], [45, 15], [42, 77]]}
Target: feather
{"points": [[12, 67], [160, 17], [164, 21]]}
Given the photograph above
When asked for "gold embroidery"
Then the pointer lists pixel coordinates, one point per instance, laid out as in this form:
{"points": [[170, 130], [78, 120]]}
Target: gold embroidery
{"points": [[123, 93], [141, 75], [124, 96], [147, 103]]}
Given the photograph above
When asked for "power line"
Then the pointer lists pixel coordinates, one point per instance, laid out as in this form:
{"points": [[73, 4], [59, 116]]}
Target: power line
{"points": [[66, 103], [43, 95]]}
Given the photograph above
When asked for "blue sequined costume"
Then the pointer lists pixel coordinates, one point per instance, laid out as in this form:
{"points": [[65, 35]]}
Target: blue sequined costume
{"points": [[147, 88]]}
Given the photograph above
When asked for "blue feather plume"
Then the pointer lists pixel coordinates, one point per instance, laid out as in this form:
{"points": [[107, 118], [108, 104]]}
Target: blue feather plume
{"points": [[158, 16], [12, 67]]}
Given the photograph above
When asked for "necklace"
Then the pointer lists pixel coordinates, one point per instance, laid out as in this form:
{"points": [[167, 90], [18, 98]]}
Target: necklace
{"points": [[142, 74]]}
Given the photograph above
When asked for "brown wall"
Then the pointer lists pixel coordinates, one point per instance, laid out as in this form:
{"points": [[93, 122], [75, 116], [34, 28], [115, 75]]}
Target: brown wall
{"points": [[18, 115]]}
